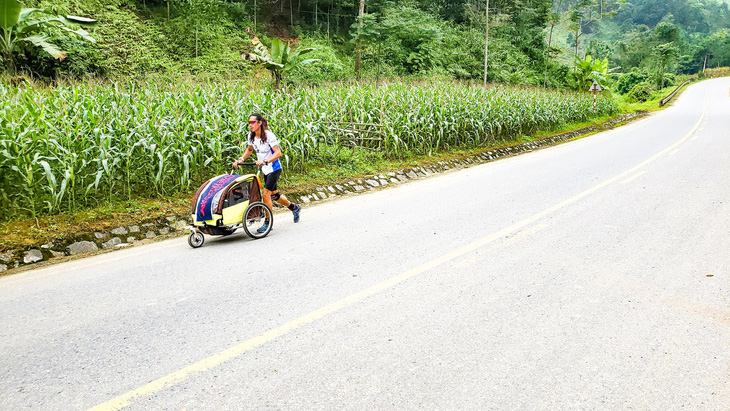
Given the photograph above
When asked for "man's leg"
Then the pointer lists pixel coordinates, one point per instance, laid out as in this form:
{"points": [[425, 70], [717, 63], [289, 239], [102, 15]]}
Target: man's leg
{"points": [[267, 199], [281, 199]]}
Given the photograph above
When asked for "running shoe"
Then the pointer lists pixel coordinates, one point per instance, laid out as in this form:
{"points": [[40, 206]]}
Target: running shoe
{"points": [[296, 211]]}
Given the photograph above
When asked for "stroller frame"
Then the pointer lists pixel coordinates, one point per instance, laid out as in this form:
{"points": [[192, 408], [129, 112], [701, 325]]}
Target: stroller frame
{"points": [[238, 205]]}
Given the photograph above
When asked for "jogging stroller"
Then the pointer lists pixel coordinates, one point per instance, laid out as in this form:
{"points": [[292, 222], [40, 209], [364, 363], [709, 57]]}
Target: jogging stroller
{"points": [[226, 203]]}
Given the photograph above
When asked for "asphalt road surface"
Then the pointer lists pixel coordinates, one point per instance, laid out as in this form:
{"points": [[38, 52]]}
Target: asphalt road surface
{"points": [[590, 275]]}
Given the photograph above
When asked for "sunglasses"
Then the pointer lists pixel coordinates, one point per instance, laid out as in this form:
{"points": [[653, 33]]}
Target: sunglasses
{"points": [[252, 122]]}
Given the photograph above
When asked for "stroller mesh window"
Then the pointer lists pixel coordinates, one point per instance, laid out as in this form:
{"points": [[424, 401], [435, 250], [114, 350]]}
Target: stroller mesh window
{"points": [[237, 194]]}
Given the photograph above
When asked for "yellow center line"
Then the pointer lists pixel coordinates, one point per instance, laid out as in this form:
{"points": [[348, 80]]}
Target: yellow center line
{"points": [[183, 374], [524, 234], [634, 177]]}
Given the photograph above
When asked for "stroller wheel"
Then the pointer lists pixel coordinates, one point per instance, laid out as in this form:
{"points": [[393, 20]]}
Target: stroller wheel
{"points": [[258, 220], [196, 239]]}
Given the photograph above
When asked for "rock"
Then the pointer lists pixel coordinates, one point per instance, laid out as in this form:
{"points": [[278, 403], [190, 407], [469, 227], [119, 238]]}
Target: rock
{"points": [[100, 236], [171, 219], [150, 234], [411, 174], [131, 240], [304, 199], [47, 245], [383, 182], [134, 229], [393, 180], [3, 267], [81, 247], [122, 245], [332, 189], [32, 256], [120, 231], [359, 188], [164, 231], [6, 257], [373, 183], [57, 254], [113, 242], [180, 225]]}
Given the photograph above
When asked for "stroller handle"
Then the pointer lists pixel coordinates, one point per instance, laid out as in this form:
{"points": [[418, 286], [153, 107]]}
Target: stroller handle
{"points": [[248, 163]]}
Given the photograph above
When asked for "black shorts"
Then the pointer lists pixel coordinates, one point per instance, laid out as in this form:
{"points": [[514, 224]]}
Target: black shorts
{"points": [[271, 180]]}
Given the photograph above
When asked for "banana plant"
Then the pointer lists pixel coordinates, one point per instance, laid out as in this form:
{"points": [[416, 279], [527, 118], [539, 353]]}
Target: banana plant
{"points": [[19, 26], [589, 70], [280, 59]]}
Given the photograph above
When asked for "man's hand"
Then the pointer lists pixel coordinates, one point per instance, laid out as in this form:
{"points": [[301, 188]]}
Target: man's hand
{"points": [[236, 163]]}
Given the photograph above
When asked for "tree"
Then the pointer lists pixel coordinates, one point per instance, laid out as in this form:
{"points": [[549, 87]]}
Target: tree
{"points": [[365, 32], [584, 13], [664, 53], [280, 60], [20, 26], [361, 11], [486, 44]]}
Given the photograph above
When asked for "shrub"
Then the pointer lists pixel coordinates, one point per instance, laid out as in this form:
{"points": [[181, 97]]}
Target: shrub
{"points": [[332, 66], [627, 81], [670, 80], [641, 92]]}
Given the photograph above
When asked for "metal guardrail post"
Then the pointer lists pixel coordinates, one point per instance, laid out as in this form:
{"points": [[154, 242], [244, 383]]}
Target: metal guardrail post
{"points": [[671, 95]]}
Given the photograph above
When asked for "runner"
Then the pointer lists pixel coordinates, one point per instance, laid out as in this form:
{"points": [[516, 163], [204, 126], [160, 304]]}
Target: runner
{"points": [[264, 142]]}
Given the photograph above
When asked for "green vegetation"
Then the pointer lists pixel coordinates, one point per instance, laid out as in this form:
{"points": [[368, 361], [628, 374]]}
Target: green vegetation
{"points": [[159, 101], [531, 42], [280, 60], [20, 28], [79, 146]]}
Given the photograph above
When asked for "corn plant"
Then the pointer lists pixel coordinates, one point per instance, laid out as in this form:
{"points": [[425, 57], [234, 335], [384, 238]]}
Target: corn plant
{"points": [[77, 146]]}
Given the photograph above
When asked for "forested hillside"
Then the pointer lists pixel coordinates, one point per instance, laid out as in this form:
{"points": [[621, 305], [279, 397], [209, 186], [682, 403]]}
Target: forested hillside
{"points": [[531, 42]]}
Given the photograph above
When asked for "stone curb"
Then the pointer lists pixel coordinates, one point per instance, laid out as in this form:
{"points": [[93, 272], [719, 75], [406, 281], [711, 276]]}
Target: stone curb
{"points": [[125, 236]]}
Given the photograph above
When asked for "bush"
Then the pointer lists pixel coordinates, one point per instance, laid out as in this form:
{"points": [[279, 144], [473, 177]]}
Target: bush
{"points": [[641, 92], [627, 81], [670, 80], [332, 66]]}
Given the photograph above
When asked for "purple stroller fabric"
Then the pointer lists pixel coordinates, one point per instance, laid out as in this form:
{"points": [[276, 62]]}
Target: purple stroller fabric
{"points": [[210, 196]]}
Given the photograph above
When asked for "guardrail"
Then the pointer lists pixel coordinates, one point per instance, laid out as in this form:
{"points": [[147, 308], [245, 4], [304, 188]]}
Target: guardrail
{"points": [[671, 95]]}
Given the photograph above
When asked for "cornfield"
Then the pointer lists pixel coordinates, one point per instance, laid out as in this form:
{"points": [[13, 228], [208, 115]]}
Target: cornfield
{"points": [[77, 146]]}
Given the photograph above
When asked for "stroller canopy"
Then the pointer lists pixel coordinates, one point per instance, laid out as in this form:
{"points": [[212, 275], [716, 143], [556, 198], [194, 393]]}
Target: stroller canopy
{"points": [[209, 198]]}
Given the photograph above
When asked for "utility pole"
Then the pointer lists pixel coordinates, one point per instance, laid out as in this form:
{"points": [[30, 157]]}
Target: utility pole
{"points": [[361, 11], [486, 46]]}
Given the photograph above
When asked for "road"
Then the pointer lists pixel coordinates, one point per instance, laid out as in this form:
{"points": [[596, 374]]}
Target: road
{"points": [[590, 275]]}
